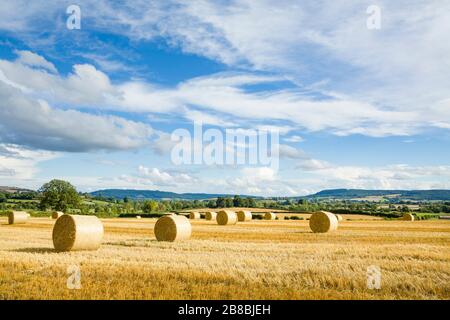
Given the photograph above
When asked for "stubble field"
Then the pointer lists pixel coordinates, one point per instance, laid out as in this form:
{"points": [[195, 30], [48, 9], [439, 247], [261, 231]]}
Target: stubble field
{"points": [[253, 260]]}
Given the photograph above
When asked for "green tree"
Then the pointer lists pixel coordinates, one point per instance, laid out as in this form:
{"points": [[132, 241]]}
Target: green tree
{"points": [[237, 201], [59, 195], [220, 203], [251, 202], [228, 202], [150, 206]]}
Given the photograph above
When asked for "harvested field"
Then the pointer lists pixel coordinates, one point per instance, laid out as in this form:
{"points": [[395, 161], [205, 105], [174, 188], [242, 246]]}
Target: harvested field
{"points": [[258, 259]]}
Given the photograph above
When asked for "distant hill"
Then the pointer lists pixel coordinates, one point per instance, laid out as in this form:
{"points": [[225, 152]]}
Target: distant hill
{"points": [[442, 195], [157, 195], [13, 189], [340, 194]]}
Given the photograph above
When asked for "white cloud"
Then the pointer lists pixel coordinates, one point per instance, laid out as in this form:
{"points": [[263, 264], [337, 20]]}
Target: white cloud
{"points": [[286, 151], [157, 177], [290, 39], [370, 67], [206, 118], [107, 63], [31, 59], [219, 97], [35, 124], [294, 139], [344, 79], [18, 164], [313, 164], [398, 176]]}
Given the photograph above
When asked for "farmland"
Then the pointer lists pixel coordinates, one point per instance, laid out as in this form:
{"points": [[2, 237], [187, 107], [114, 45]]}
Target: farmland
{"points": [[279, 259]]}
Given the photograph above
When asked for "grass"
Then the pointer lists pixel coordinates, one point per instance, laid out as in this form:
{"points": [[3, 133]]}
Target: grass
{"points": [[253, 260]]}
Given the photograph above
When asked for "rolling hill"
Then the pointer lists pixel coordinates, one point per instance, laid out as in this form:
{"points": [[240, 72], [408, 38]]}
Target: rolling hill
{"points": [[157, 195], [417, 195]]}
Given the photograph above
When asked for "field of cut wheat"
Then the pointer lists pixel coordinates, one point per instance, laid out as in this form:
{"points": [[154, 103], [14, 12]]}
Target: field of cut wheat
{"points": [[279, 259]]}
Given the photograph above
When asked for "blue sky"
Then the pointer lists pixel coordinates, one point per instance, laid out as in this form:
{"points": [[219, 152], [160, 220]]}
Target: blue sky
{"points": [[355, 107]]}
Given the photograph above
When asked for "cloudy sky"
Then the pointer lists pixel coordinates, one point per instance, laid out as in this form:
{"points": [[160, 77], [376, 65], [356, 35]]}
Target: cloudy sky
{"points": [[355, 107]]}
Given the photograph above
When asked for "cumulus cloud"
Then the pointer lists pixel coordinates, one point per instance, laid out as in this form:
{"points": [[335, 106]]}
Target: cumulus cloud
{"points": [[18, 163], [294, 139], [398, 176], [35, 124], [157, 177], [286, 151], [224, 100], [365, 83], [31, 59], [384, 91], [313, 165], [218, 94]]}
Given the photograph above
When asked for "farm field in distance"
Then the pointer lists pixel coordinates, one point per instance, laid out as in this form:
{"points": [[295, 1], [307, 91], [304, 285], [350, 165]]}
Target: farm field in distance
{"points": [[260, 259]]}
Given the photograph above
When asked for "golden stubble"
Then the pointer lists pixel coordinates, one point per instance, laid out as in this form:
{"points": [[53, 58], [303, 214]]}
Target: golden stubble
{"points": [[252, 260]]}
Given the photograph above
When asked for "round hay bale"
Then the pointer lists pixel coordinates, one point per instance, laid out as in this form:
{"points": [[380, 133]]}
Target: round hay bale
{"points": [[57, 214], [210, 215], [339, 217], [270, 216], [172, 228], [408, 217], [225, 217], [17, 217], [194, 215], [323, 221], [75, 232], [244, 215], [138, 217]]}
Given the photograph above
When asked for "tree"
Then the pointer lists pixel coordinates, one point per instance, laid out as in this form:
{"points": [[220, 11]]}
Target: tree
{"points": [[2, 197], [237, 201], [251, 202], [149, 206], [228, 202], [59, 195], [220, 203]]}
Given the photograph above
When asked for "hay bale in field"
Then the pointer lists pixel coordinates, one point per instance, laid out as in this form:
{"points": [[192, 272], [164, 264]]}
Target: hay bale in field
{"points": [[339, 217], [408, 217], [270, 216], [75, 232], [194, 215], [16, 217], [138, 217], [57, 214], [225, 217], [323, 222], [210, 215], [244, 215], [172, 228], [28, 215]]}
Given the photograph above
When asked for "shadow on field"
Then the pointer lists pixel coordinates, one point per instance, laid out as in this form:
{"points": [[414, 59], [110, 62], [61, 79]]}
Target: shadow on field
{"points": [[35, 250], [132, 243]]}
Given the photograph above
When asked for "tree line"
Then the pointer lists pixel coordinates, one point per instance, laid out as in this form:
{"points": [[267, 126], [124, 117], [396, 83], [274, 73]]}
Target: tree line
{"points": [[62, 196]]}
